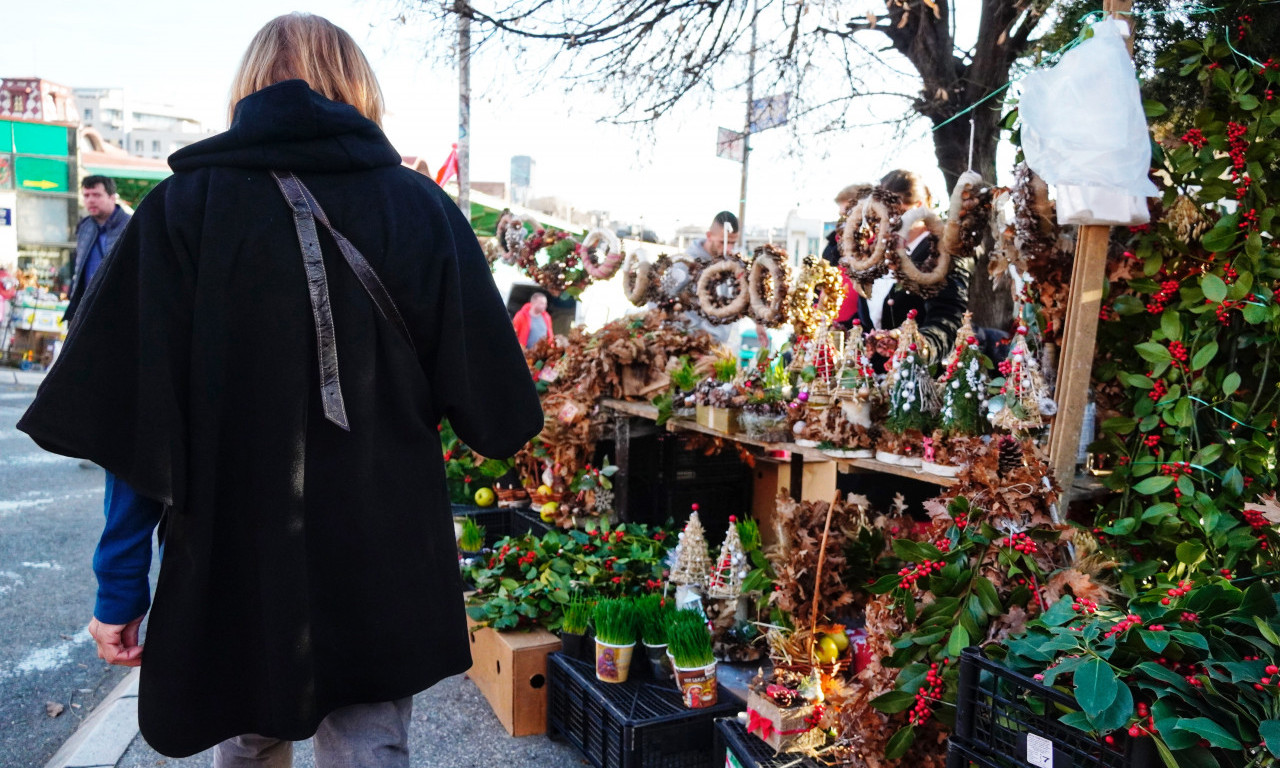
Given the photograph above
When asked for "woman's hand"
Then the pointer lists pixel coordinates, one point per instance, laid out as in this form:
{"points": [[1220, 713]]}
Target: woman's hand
{"points": [[118, 643]]}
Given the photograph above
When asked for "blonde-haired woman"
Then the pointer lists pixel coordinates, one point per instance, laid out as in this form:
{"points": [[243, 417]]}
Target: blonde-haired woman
{"points": [[264, 360]]}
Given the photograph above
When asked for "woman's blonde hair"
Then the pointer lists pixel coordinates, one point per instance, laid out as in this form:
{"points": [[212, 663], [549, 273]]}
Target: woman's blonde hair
{"points": [[314, 49]]}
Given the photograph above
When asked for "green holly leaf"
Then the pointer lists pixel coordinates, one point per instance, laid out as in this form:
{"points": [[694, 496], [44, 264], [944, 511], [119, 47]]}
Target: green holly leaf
{"points": [[1214, 289], [1096, 685], [1204, 355], [1209, 730], [1153, 485], [1269, 730], [900, 743], [893, 702]]}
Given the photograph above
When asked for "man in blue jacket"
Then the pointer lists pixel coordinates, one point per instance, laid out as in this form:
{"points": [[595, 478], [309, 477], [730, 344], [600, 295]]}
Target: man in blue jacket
{"points": [[95, 234]]}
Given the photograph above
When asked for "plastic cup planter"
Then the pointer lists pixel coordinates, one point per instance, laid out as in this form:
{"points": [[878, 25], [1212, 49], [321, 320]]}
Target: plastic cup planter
{"points": [[659, 662], [697, 684], [613, 662]]}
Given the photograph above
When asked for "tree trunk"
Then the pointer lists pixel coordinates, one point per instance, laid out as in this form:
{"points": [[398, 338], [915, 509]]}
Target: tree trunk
{"points": [[950, 86]]}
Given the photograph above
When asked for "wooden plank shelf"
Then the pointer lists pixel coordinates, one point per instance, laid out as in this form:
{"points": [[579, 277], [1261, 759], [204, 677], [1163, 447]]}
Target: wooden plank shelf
{"points": [[809, 455]]}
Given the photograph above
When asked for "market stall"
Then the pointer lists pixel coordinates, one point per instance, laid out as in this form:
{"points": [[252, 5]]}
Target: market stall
{"points": [[992, 617]]}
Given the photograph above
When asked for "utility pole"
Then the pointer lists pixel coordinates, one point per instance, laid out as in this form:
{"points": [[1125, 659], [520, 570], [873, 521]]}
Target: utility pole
{"points": [[464, 107], [746, 129]]}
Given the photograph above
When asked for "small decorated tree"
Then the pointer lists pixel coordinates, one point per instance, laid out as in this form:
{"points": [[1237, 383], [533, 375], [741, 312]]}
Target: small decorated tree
{"points": [[730, 568], [1023, 402], [692, 566], [912, 396], [964, 383]]}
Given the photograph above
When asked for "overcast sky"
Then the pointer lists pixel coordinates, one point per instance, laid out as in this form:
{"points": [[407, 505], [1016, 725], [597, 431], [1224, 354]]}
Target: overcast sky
{"points": [[186, 53]]}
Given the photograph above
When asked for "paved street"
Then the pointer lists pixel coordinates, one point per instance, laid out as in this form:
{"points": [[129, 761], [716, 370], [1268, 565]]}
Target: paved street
{"points": [[50, 517]]}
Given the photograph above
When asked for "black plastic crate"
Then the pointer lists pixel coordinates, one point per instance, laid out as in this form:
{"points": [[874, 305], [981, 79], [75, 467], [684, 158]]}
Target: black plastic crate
{"points": [[747, 751], [634, 724], [998, 711], [501, 522]]}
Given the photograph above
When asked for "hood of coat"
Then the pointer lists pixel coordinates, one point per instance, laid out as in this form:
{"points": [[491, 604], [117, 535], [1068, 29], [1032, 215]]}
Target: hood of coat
{"points": [[288, 126]]}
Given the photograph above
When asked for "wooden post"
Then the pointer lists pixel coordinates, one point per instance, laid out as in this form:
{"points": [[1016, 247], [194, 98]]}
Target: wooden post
{"points": [[1080, 336]]}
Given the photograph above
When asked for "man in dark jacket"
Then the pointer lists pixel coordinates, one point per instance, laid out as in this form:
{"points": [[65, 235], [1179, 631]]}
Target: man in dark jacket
{"points": [[96, 234]]}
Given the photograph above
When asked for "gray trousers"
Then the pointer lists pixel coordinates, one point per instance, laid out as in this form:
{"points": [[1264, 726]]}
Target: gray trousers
{"points": [[359, 736]]}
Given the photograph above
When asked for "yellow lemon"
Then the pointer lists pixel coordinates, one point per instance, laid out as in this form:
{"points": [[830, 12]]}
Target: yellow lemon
{"points": [[544, 490], [484, 497], [548, 513], [826, 650], [840, 639]]}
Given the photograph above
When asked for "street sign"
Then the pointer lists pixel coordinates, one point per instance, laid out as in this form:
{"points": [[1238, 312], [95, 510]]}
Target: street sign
{"points": [[769, 112], [729, 144]]}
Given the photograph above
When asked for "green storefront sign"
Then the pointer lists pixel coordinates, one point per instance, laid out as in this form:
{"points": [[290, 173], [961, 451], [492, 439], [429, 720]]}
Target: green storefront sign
{"points": [[41, 174]]}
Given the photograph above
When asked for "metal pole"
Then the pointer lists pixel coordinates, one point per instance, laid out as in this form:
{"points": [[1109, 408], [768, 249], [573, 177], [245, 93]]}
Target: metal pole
{"points": [[464, 108], [746, 130]]}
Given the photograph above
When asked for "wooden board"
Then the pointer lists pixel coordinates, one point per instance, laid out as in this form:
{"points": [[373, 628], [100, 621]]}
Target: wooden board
{"points": [[1080, 335], [915, 473]]}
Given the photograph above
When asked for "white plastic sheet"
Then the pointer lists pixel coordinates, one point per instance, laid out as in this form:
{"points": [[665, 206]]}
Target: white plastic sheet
{"points": [[1084, 131]]}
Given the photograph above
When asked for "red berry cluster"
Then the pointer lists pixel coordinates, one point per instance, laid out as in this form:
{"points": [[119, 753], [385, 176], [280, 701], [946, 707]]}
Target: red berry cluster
{"points": [[1248, 218], [943, 545], [1146, 724], [1272, 669], [1084, 605], [962, 520], [1195, 138], [1152, 440], [1238, 148], [1183, 588], [1176, 468], [1160, 299], [1160, 389], [1190, 617], [1124, 625], [1020, 542], [1179, 352], [1242, 26], [1255, 519], [814, 718], [911, 575], [931, 691]]}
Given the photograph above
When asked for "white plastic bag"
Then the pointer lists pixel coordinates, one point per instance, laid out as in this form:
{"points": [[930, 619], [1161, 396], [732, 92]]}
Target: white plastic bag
{"points": [[1083, 126]]}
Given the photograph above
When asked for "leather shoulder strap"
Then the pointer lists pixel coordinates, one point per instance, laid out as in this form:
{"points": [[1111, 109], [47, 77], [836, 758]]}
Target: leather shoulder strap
{"points": [[356, 260], [318, 287]]}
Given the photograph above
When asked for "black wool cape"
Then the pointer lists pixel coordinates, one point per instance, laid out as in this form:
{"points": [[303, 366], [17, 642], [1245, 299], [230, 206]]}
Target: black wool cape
{"points": [[305, 567]]}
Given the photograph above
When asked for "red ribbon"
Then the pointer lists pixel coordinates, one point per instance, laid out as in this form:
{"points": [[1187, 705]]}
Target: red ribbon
{"points": [[766, 726]]}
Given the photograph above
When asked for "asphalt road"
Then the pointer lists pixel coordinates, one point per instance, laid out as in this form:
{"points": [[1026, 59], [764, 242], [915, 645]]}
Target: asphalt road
{"points": [[50, 518]]}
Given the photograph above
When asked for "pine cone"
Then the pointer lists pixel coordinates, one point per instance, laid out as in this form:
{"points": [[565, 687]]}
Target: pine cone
{"points": [[1010, 454]]}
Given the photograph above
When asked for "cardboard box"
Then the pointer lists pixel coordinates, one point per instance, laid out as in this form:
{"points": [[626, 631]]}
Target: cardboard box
{"points": [[771, 476], [510, 669]]}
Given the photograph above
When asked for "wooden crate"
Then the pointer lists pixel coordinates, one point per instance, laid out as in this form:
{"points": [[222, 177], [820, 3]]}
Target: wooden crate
{"points": [[510, 669]]}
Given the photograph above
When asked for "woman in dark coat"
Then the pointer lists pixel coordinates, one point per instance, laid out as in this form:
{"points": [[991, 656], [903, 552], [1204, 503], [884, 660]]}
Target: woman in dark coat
{"points": [[283, 411]]}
